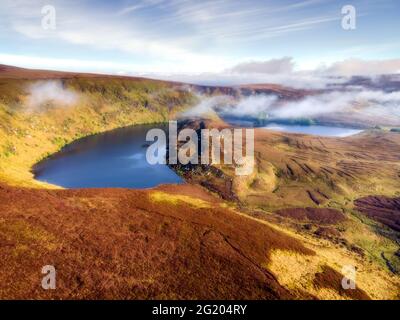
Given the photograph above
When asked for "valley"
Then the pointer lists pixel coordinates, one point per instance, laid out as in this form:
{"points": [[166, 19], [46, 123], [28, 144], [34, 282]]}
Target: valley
{"points": [[312, 205]]}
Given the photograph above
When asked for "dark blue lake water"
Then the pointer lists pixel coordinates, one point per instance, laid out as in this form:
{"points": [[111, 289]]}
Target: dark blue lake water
{"points": [[108, 160]]}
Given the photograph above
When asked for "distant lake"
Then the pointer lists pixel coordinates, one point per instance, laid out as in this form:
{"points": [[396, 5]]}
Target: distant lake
{"points": [[318, 130], [108, 160], [326, 131]]}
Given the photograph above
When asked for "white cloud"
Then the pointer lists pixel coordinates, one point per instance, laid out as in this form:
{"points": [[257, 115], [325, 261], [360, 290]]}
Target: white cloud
{"points": [[275, 71], [363, 67], [283, 71], [179, 44], [273, 66], [50, 91], [247, 73], [374, 104], [66, 64], [252, 105], [173, 36], [208, 105], [109, 32]]}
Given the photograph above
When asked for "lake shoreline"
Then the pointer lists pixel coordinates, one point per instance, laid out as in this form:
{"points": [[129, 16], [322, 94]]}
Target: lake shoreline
{"points": [[116, 158]]}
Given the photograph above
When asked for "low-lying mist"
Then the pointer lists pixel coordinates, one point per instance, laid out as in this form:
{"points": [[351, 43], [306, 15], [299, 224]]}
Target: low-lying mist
{"points": [[42, 92], [358, 100]]}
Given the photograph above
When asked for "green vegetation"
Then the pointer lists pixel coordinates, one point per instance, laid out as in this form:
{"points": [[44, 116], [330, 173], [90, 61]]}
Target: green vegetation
{"points": [[9, 149]]}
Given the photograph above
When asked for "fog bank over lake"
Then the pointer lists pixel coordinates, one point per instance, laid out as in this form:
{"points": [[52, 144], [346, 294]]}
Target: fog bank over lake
{"points": [[325, 131]]}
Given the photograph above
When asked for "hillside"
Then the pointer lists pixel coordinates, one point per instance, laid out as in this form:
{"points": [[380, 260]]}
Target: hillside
{"points": [[109, 244], [299, 179], [215, 237], [32, 128]]}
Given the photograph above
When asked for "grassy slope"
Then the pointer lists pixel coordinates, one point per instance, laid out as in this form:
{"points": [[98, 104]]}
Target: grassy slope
{"points": [[330, 173], [135, 244], [297, 171], [163, 243]]}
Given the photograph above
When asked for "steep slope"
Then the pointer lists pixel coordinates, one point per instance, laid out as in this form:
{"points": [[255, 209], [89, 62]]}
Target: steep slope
{"points": [[383, 209], [164, 243], [135, 245], [309, 183], [180, 241]]}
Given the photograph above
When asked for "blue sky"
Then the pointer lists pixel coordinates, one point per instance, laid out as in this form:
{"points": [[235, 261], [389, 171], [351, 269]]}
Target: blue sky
{"points": [[191, 37]]}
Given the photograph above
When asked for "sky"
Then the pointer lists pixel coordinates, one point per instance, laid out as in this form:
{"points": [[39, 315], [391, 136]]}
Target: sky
{"points": [[246, 40]]}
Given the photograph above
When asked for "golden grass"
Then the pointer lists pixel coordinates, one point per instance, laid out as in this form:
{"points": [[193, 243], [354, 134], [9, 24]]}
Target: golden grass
{"points": [[297, 273], [158, 196], [26, 235]]}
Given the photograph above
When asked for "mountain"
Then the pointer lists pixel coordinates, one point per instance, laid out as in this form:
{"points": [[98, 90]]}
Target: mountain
{"points": [[284, 233]]}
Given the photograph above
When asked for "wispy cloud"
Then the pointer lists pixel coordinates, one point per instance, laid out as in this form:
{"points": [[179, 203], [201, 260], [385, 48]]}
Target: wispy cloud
{"points": [[273, 66], [90, 30], [138, 6], [179, 36], [284, 71], [361, 67], [173, 31]]}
